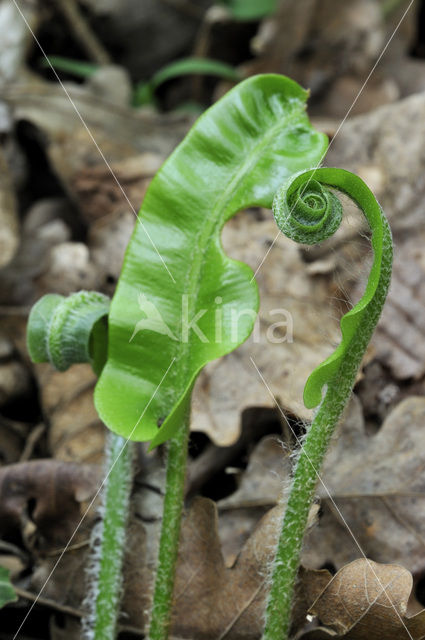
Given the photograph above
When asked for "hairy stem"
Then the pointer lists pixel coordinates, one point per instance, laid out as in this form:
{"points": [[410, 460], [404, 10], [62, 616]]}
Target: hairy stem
{"points": [[170, 534], [108, 543], [339, 386]]}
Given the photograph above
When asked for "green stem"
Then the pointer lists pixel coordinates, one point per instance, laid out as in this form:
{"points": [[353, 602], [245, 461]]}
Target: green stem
{"points": [[170, 534], [108, 543], [339, 386]]}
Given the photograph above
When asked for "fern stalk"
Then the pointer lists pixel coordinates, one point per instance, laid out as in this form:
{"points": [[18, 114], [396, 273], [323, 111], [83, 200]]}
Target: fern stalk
{"points": [[308, 211], [170, 533], [108, 543]]}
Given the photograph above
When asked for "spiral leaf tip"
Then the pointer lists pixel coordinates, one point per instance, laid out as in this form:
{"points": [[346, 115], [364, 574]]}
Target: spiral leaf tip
{"points": [[305, 210]]}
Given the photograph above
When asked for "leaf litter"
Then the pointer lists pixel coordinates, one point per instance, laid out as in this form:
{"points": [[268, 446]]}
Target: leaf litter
{"points": [[367, 601]]}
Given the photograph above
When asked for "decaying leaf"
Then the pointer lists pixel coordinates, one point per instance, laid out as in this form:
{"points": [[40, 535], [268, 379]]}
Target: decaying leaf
{"points": [[263, 480], [108, 239], [377, 483], [398, 341], [211, 600], [42, 500], [367, 601], [369, 143], [121, 133], [98, 194]]}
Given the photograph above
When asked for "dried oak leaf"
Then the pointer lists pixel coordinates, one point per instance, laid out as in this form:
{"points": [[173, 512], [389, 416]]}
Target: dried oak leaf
{"points": [[398, 341], [375, 481], [99, 194], [378, 485], [108, 239], [212, 601], [43, 500], [367, 601]]}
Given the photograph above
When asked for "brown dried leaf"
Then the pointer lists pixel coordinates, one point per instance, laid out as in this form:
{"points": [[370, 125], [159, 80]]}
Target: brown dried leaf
{"points": [[122, 134], [212, 601], [98, 194], [108, 239], [43, 500], [399, 339], [367, 601], [378, 484], [263, 480]]}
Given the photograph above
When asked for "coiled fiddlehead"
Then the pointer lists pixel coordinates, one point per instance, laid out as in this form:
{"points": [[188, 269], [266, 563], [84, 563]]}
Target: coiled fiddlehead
{"points": [[65, 331], [308, 211]]}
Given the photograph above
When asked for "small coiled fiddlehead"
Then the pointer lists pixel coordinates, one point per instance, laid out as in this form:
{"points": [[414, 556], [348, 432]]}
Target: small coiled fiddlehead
{"points": [[308, 211], [66, 331]]}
